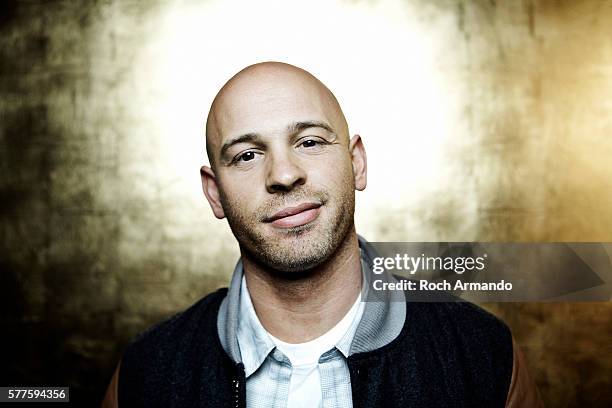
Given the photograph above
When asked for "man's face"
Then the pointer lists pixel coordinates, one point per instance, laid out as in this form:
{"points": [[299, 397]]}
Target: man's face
{"points": [[284, 171]]}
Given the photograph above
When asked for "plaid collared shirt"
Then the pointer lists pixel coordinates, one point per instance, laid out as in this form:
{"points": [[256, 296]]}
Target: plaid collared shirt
{"points": [[268, 370]]}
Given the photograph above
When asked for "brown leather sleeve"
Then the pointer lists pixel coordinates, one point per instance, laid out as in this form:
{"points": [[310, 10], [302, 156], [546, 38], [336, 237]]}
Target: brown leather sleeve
{"points": [[523, 392], [110, 399]]}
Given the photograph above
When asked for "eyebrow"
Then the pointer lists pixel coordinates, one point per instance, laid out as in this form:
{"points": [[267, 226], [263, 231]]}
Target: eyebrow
{"points": [[293, 128], [246, 138], [297, 127]]}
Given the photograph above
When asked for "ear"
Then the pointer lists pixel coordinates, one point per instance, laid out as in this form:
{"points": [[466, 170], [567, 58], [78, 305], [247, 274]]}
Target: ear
{"points": [[360, 162], [211, 191]]}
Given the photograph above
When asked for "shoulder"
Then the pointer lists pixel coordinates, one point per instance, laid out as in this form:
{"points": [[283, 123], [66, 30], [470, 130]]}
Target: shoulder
{"points": [[170, 351], [462, 332], [474, 344]]}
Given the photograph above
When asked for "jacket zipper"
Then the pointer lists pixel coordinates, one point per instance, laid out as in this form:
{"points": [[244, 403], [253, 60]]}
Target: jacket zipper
{"points": [[237, 383], [236, 387]]}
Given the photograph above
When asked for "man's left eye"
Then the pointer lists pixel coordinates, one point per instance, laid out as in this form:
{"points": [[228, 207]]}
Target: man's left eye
{"points": [[309, 143]]}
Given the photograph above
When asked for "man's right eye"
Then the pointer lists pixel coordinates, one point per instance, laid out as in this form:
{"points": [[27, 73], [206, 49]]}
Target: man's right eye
{"points": [[247, 156]]}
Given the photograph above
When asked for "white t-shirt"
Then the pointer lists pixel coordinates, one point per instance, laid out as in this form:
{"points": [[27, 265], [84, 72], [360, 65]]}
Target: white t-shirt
{"points": [[305, 385]]}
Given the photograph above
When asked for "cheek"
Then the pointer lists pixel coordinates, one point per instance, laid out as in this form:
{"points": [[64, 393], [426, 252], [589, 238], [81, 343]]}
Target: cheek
{"points": [[240, 194], [336, 180]]}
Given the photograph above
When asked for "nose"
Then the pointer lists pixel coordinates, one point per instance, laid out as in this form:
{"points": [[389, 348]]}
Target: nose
{"points": [[284, 173]]}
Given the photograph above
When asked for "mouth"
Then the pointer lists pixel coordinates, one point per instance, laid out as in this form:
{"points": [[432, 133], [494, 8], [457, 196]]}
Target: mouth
{"points": [[292, 217]]}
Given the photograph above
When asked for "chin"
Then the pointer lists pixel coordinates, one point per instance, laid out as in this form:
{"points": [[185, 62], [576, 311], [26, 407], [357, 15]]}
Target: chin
{"points": [[292, 250], [295, 268]]}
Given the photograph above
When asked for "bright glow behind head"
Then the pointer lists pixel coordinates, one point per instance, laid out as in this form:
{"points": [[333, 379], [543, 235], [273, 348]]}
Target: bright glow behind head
{"points": [[376, 58]]}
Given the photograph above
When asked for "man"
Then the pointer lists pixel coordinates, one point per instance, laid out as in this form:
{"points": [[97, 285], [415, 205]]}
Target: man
{"points": [[292, 329]]}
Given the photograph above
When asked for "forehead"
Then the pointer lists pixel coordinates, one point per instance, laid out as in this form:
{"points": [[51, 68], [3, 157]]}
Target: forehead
{"points": [[267, 107]]}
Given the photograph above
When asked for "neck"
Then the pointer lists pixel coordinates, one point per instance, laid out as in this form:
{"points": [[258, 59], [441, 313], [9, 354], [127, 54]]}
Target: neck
{"points": [[296, 311]]}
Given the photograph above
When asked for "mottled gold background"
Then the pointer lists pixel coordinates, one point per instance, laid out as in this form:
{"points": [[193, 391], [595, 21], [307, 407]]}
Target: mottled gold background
{"points": [[483, 120]]}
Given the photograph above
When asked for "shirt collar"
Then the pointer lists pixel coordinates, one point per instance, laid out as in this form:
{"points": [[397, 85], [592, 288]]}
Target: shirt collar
{"points": [[252, 336], [382, 320]]}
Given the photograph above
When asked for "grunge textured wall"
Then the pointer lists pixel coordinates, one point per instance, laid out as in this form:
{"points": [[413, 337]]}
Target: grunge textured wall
{"points": [[100, 238]]}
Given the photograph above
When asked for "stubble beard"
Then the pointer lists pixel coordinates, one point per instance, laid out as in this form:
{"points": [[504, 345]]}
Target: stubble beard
{"points": [[293, 253]]}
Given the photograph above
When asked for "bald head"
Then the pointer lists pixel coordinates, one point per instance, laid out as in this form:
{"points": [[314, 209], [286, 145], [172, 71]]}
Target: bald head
{"points": [[266, 97], [284, 172]]}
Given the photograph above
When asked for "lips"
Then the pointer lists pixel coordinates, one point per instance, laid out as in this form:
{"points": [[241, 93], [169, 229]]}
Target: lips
{"points": [[295, 216]]}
